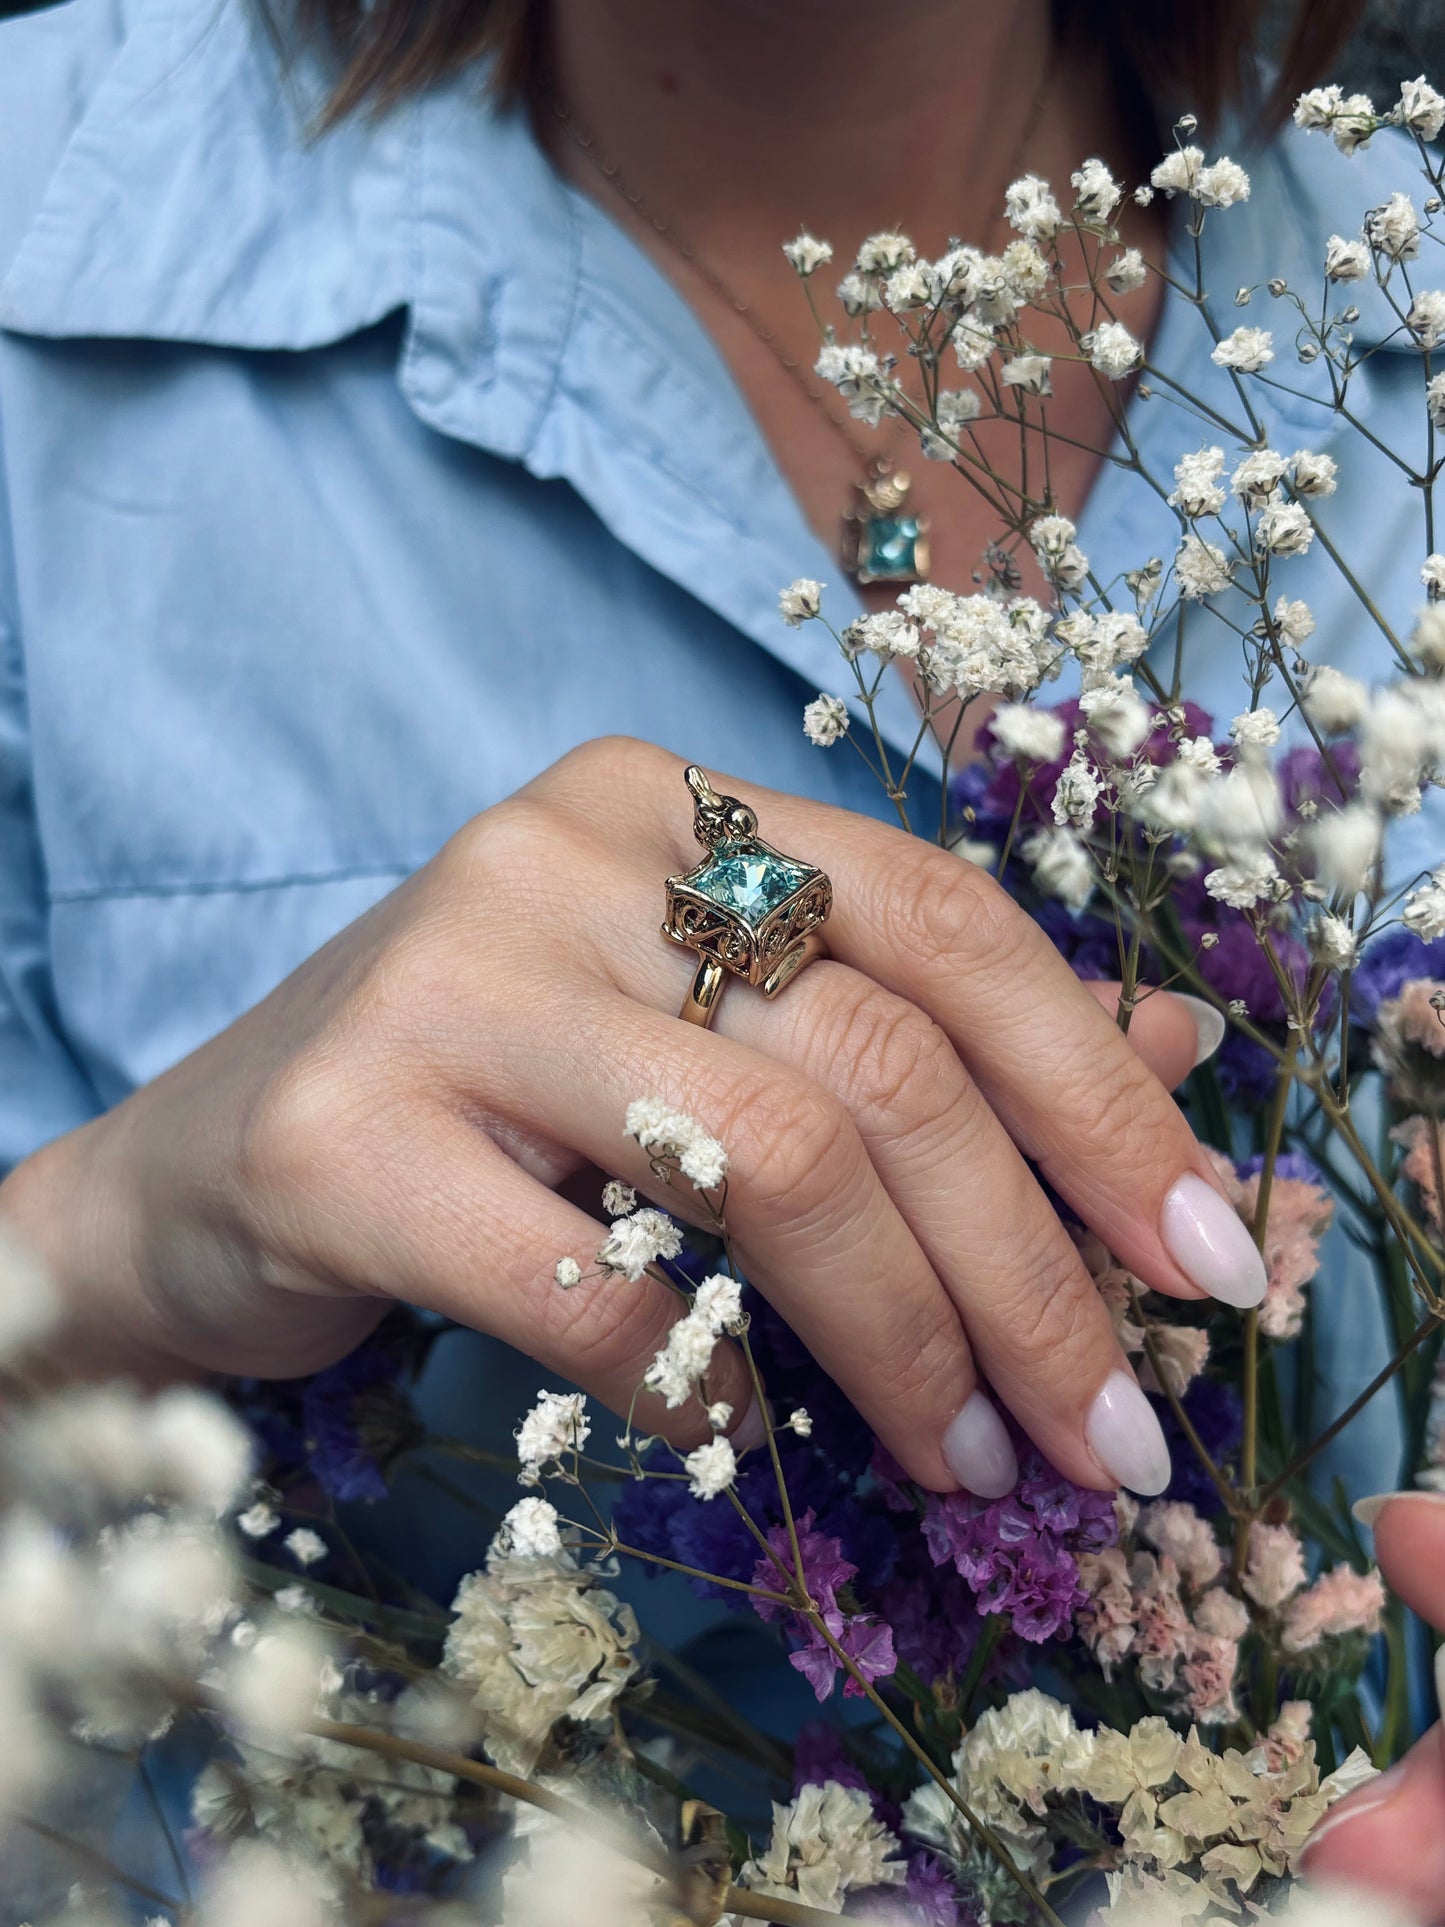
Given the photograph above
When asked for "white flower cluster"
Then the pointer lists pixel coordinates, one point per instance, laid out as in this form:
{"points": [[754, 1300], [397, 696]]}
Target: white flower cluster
{"points": [[675, 1373], [668, 1134], [556, 1427]]}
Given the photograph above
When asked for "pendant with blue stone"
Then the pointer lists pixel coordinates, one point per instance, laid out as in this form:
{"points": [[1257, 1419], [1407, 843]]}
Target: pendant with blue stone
{"points": [[884, 540]]}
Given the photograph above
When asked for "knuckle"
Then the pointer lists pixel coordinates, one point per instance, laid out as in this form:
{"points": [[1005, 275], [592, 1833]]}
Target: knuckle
{"points": [[1048, 1311], [893, 1056], [1121, 1111], [785, 1137], [921, 1362], [290, 1132], [946, 912], [607, 1331]]}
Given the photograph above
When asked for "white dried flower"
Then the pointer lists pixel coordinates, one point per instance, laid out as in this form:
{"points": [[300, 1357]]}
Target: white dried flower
{"points": [[858, 295], [1257, 477], [825, 719], [305, 1546], [1435, 399], [1432, 574], [1201, 568], [1350, 120], [1077, 793], [908, 287], [802, 1423], [1243, 881], [719, 1415], [1223, 183], [882, 253], [1196, 488], [1062, 561], [618, 1198], [638, 1241], [710, 1468], [1247, 350], [1393, 229], [1030, 208], [1426, 319], [859, 376], [1126, 272], [718, 1302], [568, 1273], [1242, 811], [1424, 910], [1061, 866], [258, 1521], [529, 1530], [800, 601], [1031, 734], [1178, 173], [1283, 528], [807, 254], [676, 1369], [1333, 701], [1294, 620], [1198, 753], [887, 634], [973, 342], [1096, 192], [1113, 350], [1421, 108], [1313, 474], [557, 1424], [1333, 942], [1256, 729], [1117, 715], [277, 1684], [1029, 372], [1346, 260], [1345, 844], [1427, 639], [827, 1843]]}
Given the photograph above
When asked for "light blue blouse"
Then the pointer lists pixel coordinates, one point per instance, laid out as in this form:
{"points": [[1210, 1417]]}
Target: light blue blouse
{"points": [[345, 483]]}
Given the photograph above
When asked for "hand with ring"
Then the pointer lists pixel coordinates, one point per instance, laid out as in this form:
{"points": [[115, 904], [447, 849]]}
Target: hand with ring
{"points": [[402, 1117]]}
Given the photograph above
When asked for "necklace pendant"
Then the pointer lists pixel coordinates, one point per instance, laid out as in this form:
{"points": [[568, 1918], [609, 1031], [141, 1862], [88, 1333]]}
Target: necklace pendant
{"points": [[883, 539]]}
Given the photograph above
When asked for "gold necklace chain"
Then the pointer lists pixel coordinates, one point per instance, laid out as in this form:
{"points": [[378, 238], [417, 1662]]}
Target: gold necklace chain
{"points": [[666, 231]]}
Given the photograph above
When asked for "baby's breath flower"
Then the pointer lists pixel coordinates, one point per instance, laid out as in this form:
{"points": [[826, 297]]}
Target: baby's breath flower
{"points": [[1201, 568], [1424, 910], [1346, 260], [1432, 574], [910, 286], [1060, 557], [801, 1422], [667, 1133], [1077, 793], [882, 253], [676, 1369], [1257, 477], [1257, 729], [557, 1423], [1349, 119], [1294, 620], [1283, 528], [1196, 488], [973, 341], [718, 1302], [568, 1273], [1333, 701], [1061, 866], [858, 295], [1426, 319], [1243, 881], [1112, 350], [1246, 350], [618, 1198], [1421, 108], [305, 1546], [1435, 399], [711, 1468], [807, 254], [1427, 639], [1024, 731], [1393, 228], [1223, 183], [1312, 474], [1333, 942], [887, 634], [1116, 715], [1178, 172], [258, 1521], [719, 1415], [1029, 372], [529, 1530], [825, 719], [800, 601], [1030, 208], [859, 376], [1126, 271], [1096, 192], [1345, 844], [637, 1241]]}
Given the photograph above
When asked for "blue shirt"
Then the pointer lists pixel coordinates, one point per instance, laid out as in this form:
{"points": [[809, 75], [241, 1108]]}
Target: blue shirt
{"points": [[346, 483]]}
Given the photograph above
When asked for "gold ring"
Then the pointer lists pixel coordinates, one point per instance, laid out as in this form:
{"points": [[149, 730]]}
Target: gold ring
{"points": [[747, 910]]}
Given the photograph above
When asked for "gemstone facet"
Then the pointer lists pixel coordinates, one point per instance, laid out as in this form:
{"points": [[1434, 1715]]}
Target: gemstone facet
{"points": [[888, 548], [748, 881]]}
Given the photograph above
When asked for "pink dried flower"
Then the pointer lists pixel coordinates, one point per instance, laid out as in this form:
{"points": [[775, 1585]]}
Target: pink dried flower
{"points": [[1183, 1352], [1164, 1631], [1207, 1677], [1299, 1216], [1409, 1044], [1107, 1622], [1340, 1601], [1419, 1165], [1287, 1739], [1177, 1529], [1221, 1614], [1276, 1568]]}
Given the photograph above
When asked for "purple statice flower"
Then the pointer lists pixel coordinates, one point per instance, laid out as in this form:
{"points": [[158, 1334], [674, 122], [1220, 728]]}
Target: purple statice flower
{"points": [[1386, 966], [1216, 1412], [931, 1897], [867, 1640], [357, 1417], [1304, 776], [819, 1755], [1017, 1554], [1287, 1164]]}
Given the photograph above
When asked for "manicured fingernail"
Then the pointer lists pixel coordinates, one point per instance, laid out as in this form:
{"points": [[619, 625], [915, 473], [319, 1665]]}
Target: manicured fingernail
{"points": [[978, 1450], [750, 1432], [1207, 1239], [1210, 1024], [1125, 1436], [1369, 1799], [1367, 1511], [1440, 1679]]}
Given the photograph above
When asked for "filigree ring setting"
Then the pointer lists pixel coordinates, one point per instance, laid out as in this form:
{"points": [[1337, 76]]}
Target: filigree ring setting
{"points": [[747, 910]]}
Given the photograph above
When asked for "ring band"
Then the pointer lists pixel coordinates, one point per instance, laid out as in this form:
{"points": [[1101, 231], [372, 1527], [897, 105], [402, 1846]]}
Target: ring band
{"points": [[746, 909]]}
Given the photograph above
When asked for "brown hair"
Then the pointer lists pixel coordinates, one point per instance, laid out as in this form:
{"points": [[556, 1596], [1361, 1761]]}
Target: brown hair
{"points": [[1169, 54]]}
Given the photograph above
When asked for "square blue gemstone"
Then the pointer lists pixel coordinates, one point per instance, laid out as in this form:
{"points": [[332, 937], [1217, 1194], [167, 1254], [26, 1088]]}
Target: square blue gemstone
{"points": [[747, 880], [888, 546]]}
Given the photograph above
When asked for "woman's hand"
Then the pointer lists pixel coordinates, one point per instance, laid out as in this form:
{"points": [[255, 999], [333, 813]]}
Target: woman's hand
{"points": [[1388, 1838], [394, 1119]]}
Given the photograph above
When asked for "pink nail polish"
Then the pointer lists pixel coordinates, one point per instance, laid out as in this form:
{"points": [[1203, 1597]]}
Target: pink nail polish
{"points": [[1207, 1239], [1126, 1437], [1368, 1510], [978, 1450]]}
